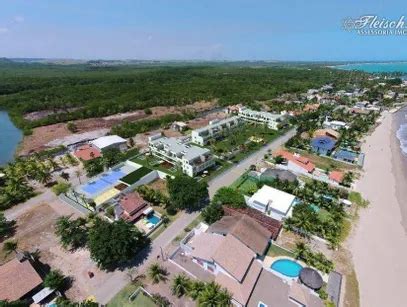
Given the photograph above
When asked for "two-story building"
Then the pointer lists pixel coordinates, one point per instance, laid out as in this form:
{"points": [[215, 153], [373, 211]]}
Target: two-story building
{"points": [[215, 130], [192, 160]]}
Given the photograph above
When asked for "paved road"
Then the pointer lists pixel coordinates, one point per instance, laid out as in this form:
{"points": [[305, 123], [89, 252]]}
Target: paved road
{"points": [[119, 280]]}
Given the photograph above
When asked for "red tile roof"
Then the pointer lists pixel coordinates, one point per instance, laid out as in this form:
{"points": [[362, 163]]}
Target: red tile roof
{"points": [[336, 176], [133, 205], [17, 279], [87, 152], [303, 162], [267, 222]]}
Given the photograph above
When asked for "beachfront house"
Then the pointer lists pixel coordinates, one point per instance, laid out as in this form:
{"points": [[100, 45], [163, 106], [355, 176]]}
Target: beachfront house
{"points": [[272, 202], [192, 160], [216, 129], [323, 145], [272, 120], [110, 141], [295, 162], [334, 124]]}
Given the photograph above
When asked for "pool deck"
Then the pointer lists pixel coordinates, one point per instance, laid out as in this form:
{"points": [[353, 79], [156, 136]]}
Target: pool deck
{"points": [[268, 261]]}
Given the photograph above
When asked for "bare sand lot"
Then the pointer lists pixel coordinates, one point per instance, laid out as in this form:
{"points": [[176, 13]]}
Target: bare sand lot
{"points": [[379, 242], [41, 136]]}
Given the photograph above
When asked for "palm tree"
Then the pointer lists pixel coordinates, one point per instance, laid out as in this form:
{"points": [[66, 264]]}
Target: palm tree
{"points": [[213, 296], [10, 246], [157, 273], [195, 289], [180, 285], [300, 249], [78, 174]]}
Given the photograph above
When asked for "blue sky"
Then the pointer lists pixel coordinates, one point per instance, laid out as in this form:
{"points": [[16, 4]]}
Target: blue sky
{"points": [[195, 29]]}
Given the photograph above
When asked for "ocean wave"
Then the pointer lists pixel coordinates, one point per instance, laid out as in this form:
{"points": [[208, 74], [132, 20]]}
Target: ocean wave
{"points": [[402, 136]]}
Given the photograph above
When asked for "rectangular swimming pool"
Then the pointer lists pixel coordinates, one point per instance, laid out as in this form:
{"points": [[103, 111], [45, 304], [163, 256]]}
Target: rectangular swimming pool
{"points": [[153, 219]]}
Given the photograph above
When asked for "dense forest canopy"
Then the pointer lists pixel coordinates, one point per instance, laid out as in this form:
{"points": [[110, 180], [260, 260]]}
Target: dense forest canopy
{"points": [[84, 91]]}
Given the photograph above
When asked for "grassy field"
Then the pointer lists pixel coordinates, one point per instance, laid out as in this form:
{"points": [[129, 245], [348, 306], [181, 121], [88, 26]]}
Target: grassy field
{"points": [[122, 298], [246, 185], [276, 251]]}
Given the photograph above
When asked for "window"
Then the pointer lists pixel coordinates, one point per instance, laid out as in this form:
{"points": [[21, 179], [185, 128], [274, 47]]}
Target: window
{"points": [[261, 304]]}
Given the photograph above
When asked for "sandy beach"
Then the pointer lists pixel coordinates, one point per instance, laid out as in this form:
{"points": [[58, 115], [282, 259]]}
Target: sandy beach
{"points": [[379, 241]]}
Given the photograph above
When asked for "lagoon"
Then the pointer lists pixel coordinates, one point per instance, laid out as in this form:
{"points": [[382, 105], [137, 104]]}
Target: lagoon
{"points": [[10, 137]]}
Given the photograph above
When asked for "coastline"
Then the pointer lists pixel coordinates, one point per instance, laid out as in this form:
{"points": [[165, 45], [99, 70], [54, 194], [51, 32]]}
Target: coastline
{"points": [[379, 240]]}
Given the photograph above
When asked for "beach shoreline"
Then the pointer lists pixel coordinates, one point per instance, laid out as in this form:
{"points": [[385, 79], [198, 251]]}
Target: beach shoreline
{"points": [[379, 240]]}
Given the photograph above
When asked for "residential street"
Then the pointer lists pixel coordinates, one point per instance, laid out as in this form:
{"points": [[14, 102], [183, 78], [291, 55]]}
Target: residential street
{"points": [[120, 279]]}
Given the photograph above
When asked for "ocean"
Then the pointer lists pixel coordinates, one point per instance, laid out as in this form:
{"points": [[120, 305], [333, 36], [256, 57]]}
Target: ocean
{"points": [[376, 67], [10, 137], [402, 130]]}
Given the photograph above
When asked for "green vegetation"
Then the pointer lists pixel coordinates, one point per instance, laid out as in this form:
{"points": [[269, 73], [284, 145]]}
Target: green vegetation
{"points": [[157, 273], [356, 198], [64, 302], [110, 244], [133, 177], [122, 299], [83, 91], [316, 260], [276, 251], [187, 193], [10, 246], [61, 188], [207, 294], [54, 280]]}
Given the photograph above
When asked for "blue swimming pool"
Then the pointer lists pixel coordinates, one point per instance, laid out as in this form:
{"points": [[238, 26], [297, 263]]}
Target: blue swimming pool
{"points": [[105, 181], [153, 219], [286, 267]]}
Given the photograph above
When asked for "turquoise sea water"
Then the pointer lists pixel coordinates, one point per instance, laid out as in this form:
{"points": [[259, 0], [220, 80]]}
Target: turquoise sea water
{"points": [[376, 67], [10, 137]]}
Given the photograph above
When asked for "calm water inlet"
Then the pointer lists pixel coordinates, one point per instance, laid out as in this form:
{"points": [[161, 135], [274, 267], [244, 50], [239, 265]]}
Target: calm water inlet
{"points": [[10, 137]]}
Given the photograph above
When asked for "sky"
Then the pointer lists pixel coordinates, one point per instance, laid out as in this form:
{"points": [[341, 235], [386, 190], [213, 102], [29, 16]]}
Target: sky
{"points": [[286, 30]]}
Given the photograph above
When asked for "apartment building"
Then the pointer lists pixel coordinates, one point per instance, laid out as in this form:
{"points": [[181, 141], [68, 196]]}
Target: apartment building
{"points": [[215, 130], [272, 120], [177, 151]]}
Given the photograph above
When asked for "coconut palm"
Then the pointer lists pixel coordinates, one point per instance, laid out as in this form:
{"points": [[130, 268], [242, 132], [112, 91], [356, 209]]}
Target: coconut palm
{"points": [[10, 246], [195, 289], [157, 273], [180, 285], [213, 296]]}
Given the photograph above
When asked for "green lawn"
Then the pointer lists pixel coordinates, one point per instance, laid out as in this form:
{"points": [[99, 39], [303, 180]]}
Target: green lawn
{"points": [[153, 163], [121, 299], [135, 176], [276, 251], [245, 184]]}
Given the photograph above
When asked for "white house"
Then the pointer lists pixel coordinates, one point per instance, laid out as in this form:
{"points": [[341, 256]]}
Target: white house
{"points": [[191, 159], [272, 120], [272, 202], [335, 124], [110, 141], [215, 129]]}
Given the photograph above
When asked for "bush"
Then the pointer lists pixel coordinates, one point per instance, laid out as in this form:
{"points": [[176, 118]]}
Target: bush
{"points": [[54, 280], [212, 213], [61, 188]]}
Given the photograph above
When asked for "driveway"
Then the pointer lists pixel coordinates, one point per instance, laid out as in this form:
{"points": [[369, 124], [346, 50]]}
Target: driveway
{"points": [[120, 279]]}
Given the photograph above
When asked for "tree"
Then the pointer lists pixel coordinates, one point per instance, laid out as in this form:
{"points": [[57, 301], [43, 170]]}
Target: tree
{"points": [[195, 289], [72, 234], [65, 176], [229, 196], [157, 273], [212, 213], [278, 160], [113, 244], [71, 127], [213, 296], [10, 246], [180, 285], [17, 303], [93, 167], [64, 302], [6, 227], [61, 188], [187, 193], [54, 280], [111, 157]]}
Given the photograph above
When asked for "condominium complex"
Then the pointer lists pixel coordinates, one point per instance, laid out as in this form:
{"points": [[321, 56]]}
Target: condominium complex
{"points": [[272, 120], [215, 130], [191, 159]]}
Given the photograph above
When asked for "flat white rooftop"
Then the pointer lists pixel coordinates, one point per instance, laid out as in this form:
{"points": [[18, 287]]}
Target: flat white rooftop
{"points": [[276, 199], [106, 141]]}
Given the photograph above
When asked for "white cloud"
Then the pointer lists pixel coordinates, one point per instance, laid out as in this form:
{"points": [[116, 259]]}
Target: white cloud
{"points": [[19, 19], [3, 30]]}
